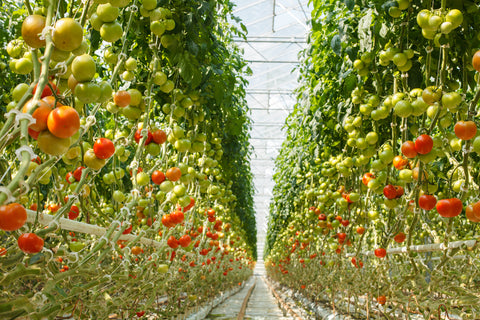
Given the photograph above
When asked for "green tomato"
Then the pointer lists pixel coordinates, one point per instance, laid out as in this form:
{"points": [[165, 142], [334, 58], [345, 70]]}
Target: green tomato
{"points": [[371, 138], [476, 145], [373, 214], [162, 268], [142, 179], [179, 190], [166, 186], [76, 246], [118, 196], [405, 175], [386, 156]]}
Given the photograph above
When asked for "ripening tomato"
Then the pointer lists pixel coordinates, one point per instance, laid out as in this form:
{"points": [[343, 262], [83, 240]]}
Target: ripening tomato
{"points": [[103, 148], [63, 122], [400, 237], [465, 130], [427, 201], [32, 28], [40, 114], [476, 61], [30, 243], [159, 136], [173, 174], [408, 149], [399, 162], [424, 144], [473, 212], [12, 216], [380, 252], [122, 98], [449, 208], [360, 230], [136, 250]]}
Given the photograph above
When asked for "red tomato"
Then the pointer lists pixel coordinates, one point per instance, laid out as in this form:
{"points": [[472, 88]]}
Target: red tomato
{"points": [[12, 216], [345, 223], [103, 148], [128, 230], [424, 144], [77, 174], [400, 237], [408, 149], [382, 300], [34, 134], [74, 212], [322, 217], [158, 177], [47, 90], [380, 252], [427, 202], [399, 190], [67, 177], [177, 216], [449, 208], [184, 241], [30, 243], [172, 242], [465, 130], [167, 221], [138, 136], [390, 192]]}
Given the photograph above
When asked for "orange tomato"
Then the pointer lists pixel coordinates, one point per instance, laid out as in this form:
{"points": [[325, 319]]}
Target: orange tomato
{"points": [[63, 122]]}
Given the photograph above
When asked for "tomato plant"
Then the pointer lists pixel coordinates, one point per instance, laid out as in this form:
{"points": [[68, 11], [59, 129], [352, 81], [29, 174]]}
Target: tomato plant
{"points": [[386, 111], [85, 82]]}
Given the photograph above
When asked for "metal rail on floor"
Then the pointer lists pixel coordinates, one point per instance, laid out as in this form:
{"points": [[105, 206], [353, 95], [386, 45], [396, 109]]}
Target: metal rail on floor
{"points": [[241, 314]]}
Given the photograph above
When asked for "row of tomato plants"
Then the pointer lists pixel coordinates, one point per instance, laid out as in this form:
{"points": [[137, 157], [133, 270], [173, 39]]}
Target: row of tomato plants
{"points": [[382, 152], [126, 115]]}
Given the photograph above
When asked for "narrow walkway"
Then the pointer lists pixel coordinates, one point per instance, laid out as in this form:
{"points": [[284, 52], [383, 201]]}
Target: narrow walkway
{"points": [[261, 305]]}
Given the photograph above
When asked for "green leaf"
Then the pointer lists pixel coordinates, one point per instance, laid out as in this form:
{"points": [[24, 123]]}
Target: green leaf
{"points": [[350, 4], [336, 45]]}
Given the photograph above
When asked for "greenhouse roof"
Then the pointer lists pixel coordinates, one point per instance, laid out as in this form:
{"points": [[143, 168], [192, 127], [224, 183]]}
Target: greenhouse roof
{"points": [[277, 31]]}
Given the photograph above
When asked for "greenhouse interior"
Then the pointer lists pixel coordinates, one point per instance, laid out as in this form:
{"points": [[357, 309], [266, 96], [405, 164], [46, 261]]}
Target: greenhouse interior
{"points": [[239, 159]]}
